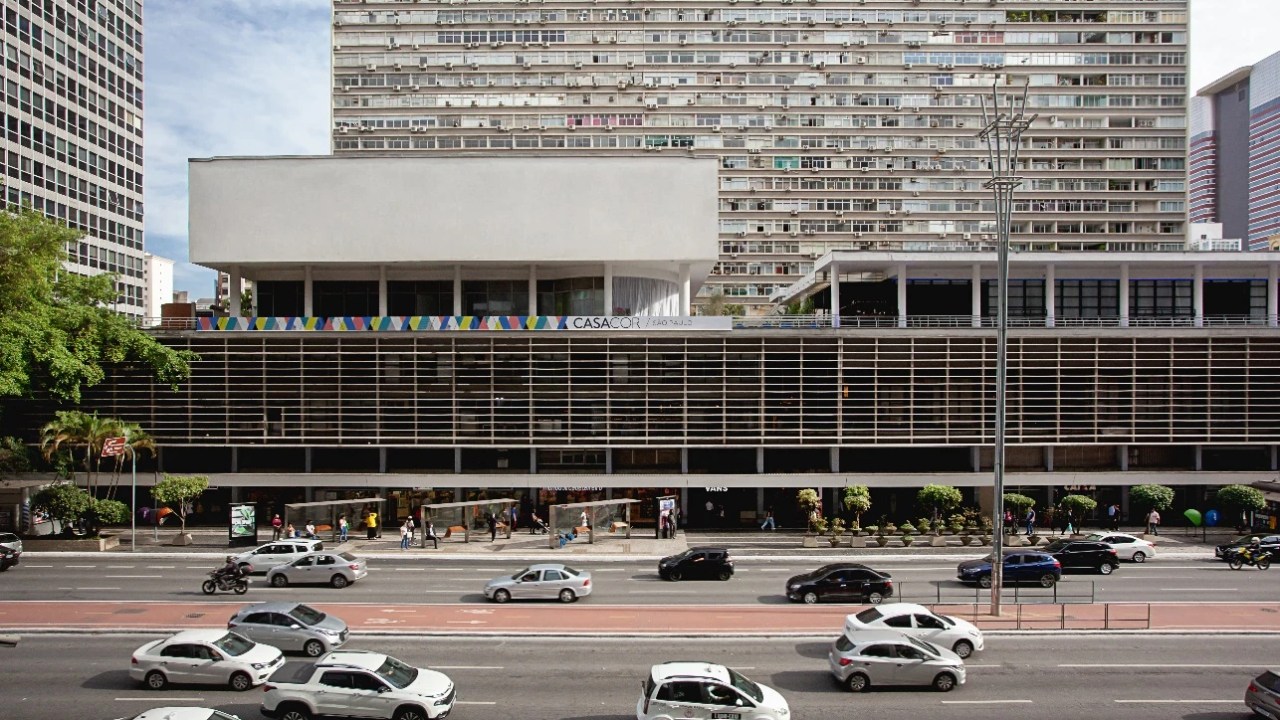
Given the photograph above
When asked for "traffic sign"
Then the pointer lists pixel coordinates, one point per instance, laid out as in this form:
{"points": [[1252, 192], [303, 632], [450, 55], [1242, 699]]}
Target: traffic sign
{"points": [[113, 446]]}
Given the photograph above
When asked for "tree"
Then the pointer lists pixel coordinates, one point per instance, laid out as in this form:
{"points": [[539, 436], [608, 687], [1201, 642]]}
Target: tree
{"points": [[1151, 497], [940, 498], [857, 500], [1240, 499], [717, 305], [1019, 504], [1077, 506], [72, 431], [178, 490], [64, 502], [808, 501], [14, 457], [58, 332], [108, 512], [136, 440]]}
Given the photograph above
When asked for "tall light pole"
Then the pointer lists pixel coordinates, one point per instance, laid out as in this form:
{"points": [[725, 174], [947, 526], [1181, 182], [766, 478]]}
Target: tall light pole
{"points": [[1002, 130]]}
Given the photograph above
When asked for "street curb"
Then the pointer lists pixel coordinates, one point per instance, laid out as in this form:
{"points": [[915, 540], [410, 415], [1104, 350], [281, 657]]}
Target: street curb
{"points": [[582, 558], [659, 635]]}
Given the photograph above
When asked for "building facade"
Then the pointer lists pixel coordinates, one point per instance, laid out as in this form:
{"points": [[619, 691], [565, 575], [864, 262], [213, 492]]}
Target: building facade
{"points": [[1235, 154], [73, 129], [157, 277], [837, 125]]}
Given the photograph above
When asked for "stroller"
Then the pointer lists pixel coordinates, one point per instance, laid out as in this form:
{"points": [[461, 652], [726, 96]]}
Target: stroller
{"points": [[536, 526]]}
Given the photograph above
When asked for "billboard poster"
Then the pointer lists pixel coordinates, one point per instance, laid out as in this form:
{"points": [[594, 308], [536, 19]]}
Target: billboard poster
{"points": [[243, 528]]}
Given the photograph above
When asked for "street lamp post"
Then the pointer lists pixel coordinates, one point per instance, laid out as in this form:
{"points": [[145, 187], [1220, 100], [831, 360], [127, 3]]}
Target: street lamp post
{"points": [[1002, 131]]}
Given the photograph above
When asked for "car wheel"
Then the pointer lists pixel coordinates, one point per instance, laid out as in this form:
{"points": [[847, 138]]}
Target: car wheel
{"points": [[156, 680], [724, 575], [875, 598], [675, 576], [567, 596], [313, 648], [279, 580], [240, 682], [410, 713], [811, 598], [1139, 557], [984, 581], [294, 712], [944, 682], [339, 581], [963, 648], [1047, 580], [1105, 568], [501, 596], [857, 682]]}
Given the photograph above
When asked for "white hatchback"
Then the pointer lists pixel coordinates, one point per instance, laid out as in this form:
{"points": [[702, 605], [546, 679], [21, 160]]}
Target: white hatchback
{"points": [[183, 713], [960, 636], [276, 553], [204, 657], [1127, 547], [705, 691]]}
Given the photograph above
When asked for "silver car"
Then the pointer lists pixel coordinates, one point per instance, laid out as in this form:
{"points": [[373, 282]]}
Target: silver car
{"points": [[887, 657], [540, 582], [290, 626], [321, 568], [1263, 695], [265, 557], [204, 657], [11, 541]]}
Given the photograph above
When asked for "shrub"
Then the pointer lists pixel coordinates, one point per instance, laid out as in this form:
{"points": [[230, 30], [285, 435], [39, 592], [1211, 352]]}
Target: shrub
{"points": [[64, 502], [1078, 506], [807, 500], [857, 500], [109, 512], [1239, 499], [907, 528], [1148, 497], [1018, 504], [939, 498]]}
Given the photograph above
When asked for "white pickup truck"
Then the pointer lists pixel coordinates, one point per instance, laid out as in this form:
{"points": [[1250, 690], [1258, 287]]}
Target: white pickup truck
{"points": [[357, 684]]}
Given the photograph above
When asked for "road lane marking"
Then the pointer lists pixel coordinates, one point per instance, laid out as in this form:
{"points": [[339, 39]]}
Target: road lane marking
{"points": [[1176, 702], [167, 698], [468, 667], [88, 588], [79, 567], [1162, 666], [131, 577], [1204, 589], [987, 702], [662, 592], [35, 566], [119, 567], [160, 567], [474, 702]]}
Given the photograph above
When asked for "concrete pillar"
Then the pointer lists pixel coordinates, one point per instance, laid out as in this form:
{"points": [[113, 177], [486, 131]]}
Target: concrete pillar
{"points": [[457, 465], [1122, 458], [233, 291], [235, 459], [608, 289], [1197, 295], [457, 289], [1199, 458], [608, 461], [308, 307], [306, 460], [834, 272], [760, 460], [684, 461], [975, 295], [1050, 297], [533, 461], [1273, 307], [902, 294], [685, 299], [759, 502], [835, 459], [1048, 461], [382, 460], [533, 289], [382, 291], [1124, 294]]}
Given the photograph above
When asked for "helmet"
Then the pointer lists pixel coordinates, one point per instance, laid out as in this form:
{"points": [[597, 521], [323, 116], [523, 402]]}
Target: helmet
{"points": [[230, 558], [1253, 541]]}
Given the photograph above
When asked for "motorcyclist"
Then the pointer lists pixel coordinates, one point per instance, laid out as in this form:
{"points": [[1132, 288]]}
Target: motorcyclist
{"points": [[1251, 549], [228, 571]]}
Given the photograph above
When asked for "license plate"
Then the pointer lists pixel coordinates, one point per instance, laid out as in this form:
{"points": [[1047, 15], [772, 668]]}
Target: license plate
{"points": [[725, 716]]}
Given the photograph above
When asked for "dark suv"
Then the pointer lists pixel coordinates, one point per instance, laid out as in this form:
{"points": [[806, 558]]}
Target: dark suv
{"points": [[698, 563], [841, 582], [1084, 554]]}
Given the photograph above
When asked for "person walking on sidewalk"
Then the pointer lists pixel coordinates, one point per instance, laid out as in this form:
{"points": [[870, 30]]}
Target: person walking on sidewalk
{"points": [[492, 522], [406, 532], [1111, 516], [343, 527], [768, 520], [277, 527], [371, 525], [515, 517], [1153, 522], [1031, 521]]}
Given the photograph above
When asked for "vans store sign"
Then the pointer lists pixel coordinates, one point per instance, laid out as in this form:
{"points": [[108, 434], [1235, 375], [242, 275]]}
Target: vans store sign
{"points": [[464, 323]]}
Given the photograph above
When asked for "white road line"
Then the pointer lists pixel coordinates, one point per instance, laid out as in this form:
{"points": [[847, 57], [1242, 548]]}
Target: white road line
{"points": [[197, 567], [662, 592], [469, 667], [160, 567], [89, 588], [130, 577], [987, 702], [1180, 702], [1164, 666], [35, 566], [1204, 589], [120, 567], [474, 702], [79, 567], [153, 699]]}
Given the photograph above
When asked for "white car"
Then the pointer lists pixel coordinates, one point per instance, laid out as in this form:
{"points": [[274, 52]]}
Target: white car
{"points": [[1127, 547], [960, 636], [183, 713], [277, 553], [703, 691], [205, 657], [358, 683]]}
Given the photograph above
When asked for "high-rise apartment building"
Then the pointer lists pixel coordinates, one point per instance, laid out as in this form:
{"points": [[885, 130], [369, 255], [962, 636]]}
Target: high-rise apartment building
{"points": [[1235, 154], [72, 144], [157, 276], [839, 125]]}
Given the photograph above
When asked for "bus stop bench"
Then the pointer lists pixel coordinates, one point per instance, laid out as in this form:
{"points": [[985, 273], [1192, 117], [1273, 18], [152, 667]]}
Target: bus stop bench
{"points": [[454, 528], [617, 525]]}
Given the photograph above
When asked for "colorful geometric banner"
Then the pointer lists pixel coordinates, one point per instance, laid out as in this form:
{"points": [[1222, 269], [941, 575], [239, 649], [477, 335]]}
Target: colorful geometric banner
{"points": [[461, 323]]}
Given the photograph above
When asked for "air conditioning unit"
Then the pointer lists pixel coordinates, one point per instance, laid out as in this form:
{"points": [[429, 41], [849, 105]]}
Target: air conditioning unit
{"points": [[857, 234], [968, 236], [742, 233], [371, 66], [893, 213], [862, 60]]}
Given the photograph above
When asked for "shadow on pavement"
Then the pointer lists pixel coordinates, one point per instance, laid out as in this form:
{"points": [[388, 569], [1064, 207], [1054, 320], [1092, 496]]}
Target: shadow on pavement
{"points": [[474, 598], [601, 717], [803, 681], [112, 680], [647, 577], [773, 600], [813, 650]]}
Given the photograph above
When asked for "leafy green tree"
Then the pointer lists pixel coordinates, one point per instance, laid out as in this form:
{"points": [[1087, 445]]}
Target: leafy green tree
{"points": [[1018, 503], [939, 498], [177, 491], [808, 500], [857, 500], [1238, 500], [64, 502], [14, 457], [1078, 506], [108, 512], [58, 331], [1148, 497]]}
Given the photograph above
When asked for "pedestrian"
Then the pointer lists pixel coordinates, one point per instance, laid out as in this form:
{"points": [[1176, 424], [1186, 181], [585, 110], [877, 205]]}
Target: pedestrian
{"points": [[289, 532], [1031, 521], [515, 518], [535, 524], [720, 513], [492, 522], [371, 525], [1153, 522], [768, 520], [674, 518], [711, 513], [406, 534], [311, 529], [1113, 513], [664, 524], [429, 533], [343, 526], [1009, 527], [277, 526]]}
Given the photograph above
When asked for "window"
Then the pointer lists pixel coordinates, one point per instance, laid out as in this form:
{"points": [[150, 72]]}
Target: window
{"points": [[305, 562], [685, 692], [930, 622], [883, 651], [901, 621], [326, 560], [336, 679], [176, 651], [549, 575]]}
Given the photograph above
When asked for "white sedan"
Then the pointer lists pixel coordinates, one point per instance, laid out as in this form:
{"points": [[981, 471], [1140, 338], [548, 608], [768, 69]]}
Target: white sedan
{"points": [[183, 713], [960, 636], [1127, 547], [206, 657]]}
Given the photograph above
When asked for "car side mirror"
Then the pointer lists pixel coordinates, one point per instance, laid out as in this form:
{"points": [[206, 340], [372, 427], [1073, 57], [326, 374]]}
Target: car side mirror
{"points": [[382, 689], [295, 626]]}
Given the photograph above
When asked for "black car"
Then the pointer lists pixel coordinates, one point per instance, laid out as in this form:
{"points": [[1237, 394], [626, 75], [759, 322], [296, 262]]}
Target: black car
{"points": [[1269, 543], [698, 563], [841, 582], [1084, 554], [8, 558]]}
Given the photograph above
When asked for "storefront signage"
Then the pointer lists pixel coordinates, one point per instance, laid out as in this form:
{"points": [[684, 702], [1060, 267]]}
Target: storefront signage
{"points": [[573, 488], [1080, 488], [716, 488], [464, 323]]}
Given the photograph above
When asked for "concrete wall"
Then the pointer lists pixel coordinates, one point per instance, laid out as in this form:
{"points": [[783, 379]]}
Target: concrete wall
{"points": [[1231, 111], [297, 210]]}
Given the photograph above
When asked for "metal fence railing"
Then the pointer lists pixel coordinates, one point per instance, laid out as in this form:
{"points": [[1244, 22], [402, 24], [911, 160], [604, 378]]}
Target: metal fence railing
{"points": [[950, 592], [1101, 616]]}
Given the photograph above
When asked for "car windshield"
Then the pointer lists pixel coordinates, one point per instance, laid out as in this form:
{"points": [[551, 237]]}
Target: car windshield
{"points": [[1055, 546], [397, 673], [1094, 537], [1269, 680], [927, 647], [868, 616], [681, 556], [233, 644], [946, 621], [347, 556], [570, 570], [307, 615], [748, 688], [519, 574]]}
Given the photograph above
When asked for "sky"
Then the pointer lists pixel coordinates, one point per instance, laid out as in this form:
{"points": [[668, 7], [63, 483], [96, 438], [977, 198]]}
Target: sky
{"points": [[251, 77]]}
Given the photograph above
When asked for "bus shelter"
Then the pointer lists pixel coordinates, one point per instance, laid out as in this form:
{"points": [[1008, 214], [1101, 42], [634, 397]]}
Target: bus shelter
{"points": [[587, 517], [328, 512], [454, 518]]}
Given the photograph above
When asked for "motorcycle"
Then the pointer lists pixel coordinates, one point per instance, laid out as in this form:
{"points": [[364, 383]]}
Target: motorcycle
{"points": [[1260, 559], [218, 580]]}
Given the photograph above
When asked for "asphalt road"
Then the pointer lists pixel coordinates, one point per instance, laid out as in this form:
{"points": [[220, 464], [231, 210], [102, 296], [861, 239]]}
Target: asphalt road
{"points": [[437, 580], [1063, 677]]}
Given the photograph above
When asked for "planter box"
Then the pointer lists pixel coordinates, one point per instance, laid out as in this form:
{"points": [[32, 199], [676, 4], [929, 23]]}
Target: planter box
{"points": [[857, 541], [182, 539], [98, 544], [882, 541], [937, 541], [810, 541]]}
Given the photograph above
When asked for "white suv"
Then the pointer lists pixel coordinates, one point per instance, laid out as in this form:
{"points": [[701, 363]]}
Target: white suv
{"points": [[277, 552], [358, 683], [703, 691]]}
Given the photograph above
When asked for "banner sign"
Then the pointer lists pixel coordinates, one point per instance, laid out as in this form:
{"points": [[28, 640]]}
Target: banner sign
{"points": [[243, 527], [466, 323]]}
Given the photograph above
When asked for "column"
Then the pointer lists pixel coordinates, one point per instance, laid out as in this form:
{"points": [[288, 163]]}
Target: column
{"points": [[975, 295], [457, 289], [1197, 295], [833, 272], [684, 290], [1050, 296], [382, 291], [1124, 294], [308, 307], [233, 291], [1273, 307], [608, 289], [533, 289], [902, 294]]}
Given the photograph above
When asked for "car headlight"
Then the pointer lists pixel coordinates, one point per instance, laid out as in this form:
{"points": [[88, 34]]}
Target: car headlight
{"points": [[332, 633], [259, 666], [794, 587]]}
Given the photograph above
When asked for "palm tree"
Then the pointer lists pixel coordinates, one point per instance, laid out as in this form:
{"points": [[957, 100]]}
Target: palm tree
{"points": [[136, 440], [65, 433]]}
